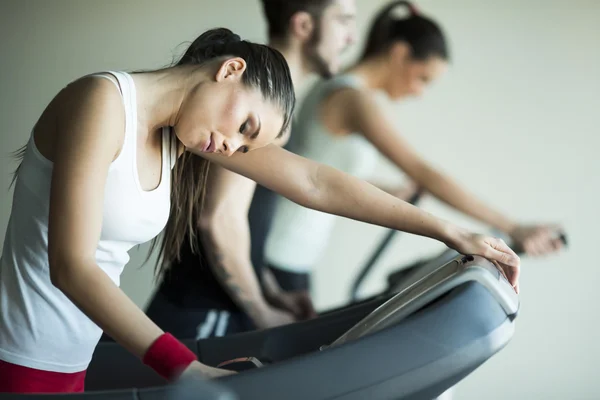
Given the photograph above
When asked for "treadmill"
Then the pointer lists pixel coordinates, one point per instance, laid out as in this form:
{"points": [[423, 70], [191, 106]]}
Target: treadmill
{"points": [[415, 344]]}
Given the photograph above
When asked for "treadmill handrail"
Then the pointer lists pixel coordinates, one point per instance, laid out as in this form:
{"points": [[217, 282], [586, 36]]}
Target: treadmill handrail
{"points": [[426, 289], [445, 257]]}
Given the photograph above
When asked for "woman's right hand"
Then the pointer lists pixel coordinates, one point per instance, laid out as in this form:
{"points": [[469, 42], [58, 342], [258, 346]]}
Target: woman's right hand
{"points": [[537, 240], [271, 317], [196, 368], [494, 249]]}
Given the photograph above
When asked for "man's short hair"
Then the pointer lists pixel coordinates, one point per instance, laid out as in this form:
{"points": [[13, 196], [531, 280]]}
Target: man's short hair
{"points": [[279, 12]]}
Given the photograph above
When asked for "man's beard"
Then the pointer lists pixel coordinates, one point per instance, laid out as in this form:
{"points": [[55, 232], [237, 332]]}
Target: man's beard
{"points": [[315, 61]]}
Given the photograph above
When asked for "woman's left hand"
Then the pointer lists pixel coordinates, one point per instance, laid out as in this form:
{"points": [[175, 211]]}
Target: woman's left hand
{"points": [[494, 249]]}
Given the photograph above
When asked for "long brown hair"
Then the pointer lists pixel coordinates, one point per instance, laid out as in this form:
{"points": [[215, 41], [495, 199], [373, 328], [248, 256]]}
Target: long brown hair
{"points": [[267, 71]]}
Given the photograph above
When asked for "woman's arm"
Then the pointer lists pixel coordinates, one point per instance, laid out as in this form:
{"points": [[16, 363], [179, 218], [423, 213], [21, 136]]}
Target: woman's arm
{"points": [[326, 189], [90, 132], [226, 237], [362, 114], [404, 192]]}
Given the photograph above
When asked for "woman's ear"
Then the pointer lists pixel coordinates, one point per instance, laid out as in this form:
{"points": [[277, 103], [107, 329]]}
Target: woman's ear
{"points": [[398, 53], [231, 68]]}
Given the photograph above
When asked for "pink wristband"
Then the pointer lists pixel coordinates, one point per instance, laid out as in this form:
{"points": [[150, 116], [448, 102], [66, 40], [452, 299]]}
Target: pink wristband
{"points": [[168, 356]]}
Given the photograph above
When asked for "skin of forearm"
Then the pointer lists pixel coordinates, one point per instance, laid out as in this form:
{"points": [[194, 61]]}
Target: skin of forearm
{"points": [[346, 196], [226, 240], [270, 284], [93, 292], [382, 186]]}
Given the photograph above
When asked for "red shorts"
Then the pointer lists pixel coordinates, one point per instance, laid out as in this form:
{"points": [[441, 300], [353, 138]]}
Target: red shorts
{"points": [[18, 379]]}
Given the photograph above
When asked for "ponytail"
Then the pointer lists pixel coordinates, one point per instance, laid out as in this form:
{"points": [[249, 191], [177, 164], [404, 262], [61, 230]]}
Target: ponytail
{"points": [[211, 44], [422, 34], [267, 71]]}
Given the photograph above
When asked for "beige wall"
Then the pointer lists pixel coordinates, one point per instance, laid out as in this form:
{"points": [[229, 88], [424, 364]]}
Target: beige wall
{"points": [[515, 119]]}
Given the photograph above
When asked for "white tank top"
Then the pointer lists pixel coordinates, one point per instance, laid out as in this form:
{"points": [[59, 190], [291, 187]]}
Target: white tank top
{"points": [[39, 326], [299, 235]]}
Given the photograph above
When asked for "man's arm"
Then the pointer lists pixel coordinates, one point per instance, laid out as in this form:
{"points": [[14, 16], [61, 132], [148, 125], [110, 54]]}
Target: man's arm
{"points": [[225, 235]]}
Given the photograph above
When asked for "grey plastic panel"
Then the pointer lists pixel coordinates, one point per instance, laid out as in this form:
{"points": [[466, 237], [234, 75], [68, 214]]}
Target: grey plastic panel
{"points": [[189, 389], [433, 379]]}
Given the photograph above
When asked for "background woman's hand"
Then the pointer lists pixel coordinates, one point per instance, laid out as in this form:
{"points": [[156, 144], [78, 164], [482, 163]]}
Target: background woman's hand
{"points": [[537, 240]]}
